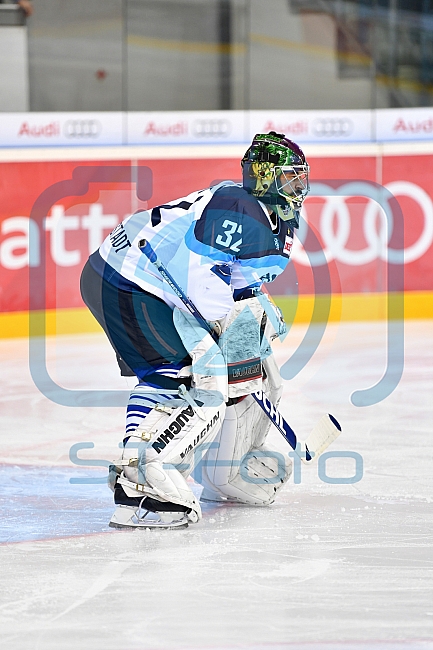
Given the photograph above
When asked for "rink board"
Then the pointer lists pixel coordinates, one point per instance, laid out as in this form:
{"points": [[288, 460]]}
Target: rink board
{"points": [[50, 221], [353, 307]]}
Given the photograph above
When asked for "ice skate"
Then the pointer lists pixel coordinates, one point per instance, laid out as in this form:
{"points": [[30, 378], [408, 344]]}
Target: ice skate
{"points": [[145, 512], [132, 517]]}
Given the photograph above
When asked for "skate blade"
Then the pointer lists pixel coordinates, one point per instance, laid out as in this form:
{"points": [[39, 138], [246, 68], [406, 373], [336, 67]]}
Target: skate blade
{"points": [[115, 524]]}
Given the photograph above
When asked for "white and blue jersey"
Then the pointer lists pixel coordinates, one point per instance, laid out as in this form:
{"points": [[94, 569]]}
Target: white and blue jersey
{"points": [[216, 243]]}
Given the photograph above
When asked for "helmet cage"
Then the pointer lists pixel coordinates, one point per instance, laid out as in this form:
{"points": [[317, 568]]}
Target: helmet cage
{"points": [[292, 183], [275, 171]]}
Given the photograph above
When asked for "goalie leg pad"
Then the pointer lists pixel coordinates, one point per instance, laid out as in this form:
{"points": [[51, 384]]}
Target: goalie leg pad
{"points": [[163, 483], [160, 453], [239, 470]]}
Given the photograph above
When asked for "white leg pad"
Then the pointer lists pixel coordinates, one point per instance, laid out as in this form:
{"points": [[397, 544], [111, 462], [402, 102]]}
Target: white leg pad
{"points": [[166, 484], [237, 469], [167, 441]]}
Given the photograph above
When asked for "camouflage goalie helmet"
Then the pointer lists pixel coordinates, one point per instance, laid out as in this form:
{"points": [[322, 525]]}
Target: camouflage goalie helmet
{"points": [[275, 172]]}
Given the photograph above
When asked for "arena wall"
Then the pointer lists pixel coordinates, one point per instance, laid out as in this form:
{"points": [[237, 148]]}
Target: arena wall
{"points": [[356, 259]]}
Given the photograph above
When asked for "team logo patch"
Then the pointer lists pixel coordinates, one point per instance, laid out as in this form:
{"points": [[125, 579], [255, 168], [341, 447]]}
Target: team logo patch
{"points": [[244, 370], [288, 245]]}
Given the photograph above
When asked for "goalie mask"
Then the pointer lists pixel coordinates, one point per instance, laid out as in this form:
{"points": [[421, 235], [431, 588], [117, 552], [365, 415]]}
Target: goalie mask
{"points": [[275, 172]]}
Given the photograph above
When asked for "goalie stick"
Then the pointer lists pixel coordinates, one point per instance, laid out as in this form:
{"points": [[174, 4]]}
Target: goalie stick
{"points": [[325, 431]]}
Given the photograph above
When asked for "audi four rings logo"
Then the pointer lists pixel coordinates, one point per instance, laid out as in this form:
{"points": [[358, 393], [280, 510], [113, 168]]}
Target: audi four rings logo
{"points": [[335, 224], [213, 128], [327, 127], [82, 128]]}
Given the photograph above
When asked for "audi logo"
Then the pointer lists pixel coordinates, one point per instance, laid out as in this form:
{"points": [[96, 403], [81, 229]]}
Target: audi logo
{"points": [[82, 128], [328, 127], [335, 226], [212, 128]]}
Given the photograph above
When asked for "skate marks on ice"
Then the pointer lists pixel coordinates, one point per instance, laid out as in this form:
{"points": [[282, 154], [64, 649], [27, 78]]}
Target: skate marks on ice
{"points": [[40, 503], [327, 566], [318, 568]]}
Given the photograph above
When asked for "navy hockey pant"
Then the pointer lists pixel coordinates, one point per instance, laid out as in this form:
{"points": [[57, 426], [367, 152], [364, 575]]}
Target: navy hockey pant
{"points": [[139, 326]]}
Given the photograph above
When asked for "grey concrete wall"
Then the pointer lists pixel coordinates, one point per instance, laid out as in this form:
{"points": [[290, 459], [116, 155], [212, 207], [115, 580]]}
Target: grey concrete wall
{"points": [[171, 55]]}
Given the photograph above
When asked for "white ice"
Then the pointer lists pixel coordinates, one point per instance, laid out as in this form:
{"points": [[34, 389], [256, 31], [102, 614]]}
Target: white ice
{"points": [[329, 565]]}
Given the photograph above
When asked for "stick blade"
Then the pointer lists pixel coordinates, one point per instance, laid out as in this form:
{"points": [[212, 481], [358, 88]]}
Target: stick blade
{"points": [[325, 432]]}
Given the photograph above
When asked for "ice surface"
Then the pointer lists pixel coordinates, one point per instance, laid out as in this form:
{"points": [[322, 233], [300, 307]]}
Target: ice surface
{"points": [[329, 565]]}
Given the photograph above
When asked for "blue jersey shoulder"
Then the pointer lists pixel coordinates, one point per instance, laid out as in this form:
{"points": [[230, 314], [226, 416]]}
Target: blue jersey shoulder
{"points": [[235, 223]]}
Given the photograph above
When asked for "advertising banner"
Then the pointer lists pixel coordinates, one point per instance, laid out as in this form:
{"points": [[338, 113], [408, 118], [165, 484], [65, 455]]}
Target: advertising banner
{"points": [[402, 124], [314, 126], [349, 245], [186, 127], [368, 236], [213, 127], [66, 129]]}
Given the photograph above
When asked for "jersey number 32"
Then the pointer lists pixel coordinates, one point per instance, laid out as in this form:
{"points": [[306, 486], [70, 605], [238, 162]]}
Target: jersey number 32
{"points": [[230, 228]]}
